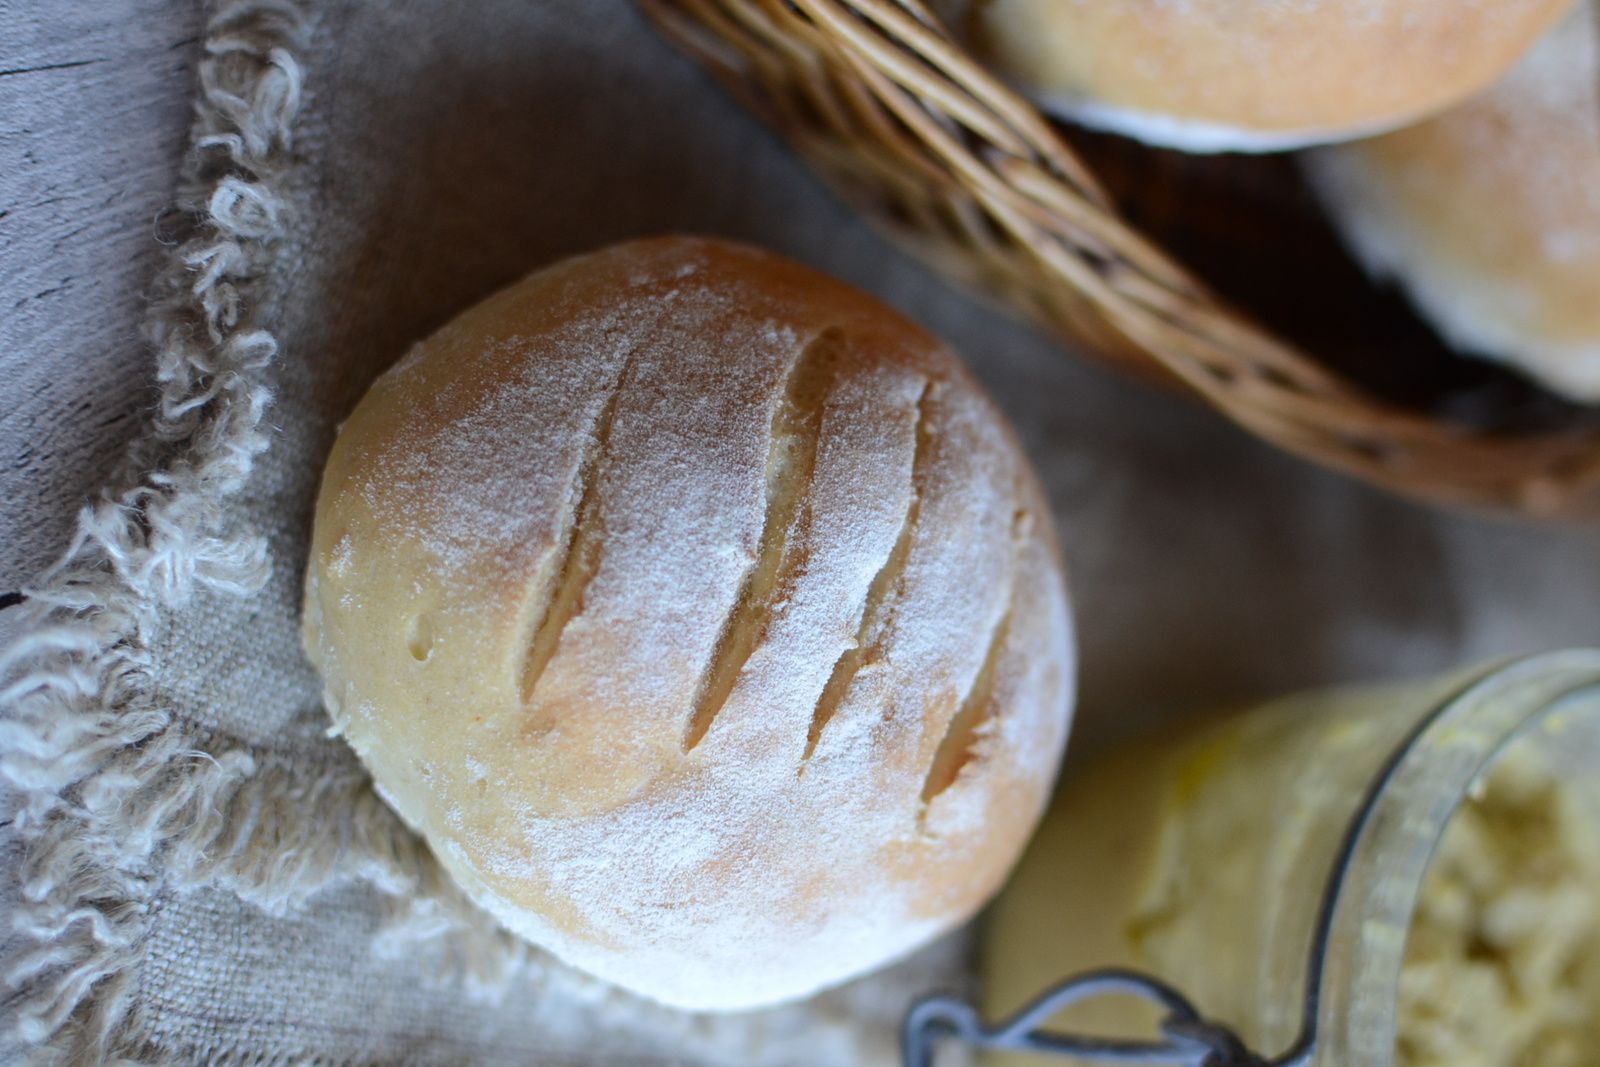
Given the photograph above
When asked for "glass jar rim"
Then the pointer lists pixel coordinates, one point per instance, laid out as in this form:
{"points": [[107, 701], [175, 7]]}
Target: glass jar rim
{"points": [[1370, 895]]}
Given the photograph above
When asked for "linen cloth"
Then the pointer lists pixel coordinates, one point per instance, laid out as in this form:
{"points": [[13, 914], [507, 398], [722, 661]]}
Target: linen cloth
{"points": [[207, 877]]}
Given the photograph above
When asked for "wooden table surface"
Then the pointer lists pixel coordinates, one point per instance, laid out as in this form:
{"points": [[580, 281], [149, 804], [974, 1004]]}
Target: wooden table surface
{"points": [[94, 109]]}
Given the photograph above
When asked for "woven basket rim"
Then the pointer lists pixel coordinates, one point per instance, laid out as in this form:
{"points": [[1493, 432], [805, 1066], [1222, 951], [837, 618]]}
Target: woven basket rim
{"points": [[891, 109]]}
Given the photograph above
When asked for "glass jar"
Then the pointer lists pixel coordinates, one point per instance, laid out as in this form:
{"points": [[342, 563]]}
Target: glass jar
{"points": [[1269, 866]]}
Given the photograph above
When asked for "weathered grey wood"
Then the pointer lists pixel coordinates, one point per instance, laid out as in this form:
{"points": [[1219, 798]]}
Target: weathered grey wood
{"points": [[94, 107]]}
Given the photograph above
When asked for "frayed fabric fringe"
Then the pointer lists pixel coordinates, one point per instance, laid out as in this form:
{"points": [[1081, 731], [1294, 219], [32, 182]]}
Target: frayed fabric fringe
{"points": [[112, 796], [118, 797]]}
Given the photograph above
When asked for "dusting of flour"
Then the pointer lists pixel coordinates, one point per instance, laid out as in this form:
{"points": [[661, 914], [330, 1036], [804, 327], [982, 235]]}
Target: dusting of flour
{"points": [[748, 662]]}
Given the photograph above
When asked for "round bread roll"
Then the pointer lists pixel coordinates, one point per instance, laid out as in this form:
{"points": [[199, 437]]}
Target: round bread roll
{"points": [[702, 614], [1489, 215], [1252, 75]]}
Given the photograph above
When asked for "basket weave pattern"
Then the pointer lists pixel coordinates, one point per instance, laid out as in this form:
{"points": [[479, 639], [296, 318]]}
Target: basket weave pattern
{"points": [[888, 107]]}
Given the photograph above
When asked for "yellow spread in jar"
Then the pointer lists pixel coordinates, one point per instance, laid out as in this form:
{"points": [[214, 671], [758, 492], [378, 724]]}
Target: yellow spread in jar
{"points": [[1502, 965], [1203, 860]]}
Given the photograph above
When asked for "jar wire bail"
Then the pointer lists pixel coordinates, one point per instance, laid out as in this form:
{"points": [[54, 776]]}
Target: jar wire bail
{"points": [[1187, 1038]]}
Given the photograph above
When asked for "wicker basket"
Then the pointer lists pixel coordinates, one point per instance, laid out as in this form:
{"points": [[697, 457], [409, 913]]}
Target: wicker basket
{"points": [[883, 101]]}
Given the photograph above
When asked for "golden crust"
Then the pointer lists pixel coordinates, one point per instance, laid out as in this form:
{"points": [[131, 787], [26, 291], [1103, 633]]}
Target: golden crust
{"points": [[1259, 67], [703, 615]]}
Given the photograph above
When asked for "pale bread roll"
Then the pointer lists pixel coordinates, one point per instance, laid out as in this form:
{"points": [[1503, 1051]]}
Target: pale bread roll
{"points": [[1489, 215], [1251, 75], [703, 615]]}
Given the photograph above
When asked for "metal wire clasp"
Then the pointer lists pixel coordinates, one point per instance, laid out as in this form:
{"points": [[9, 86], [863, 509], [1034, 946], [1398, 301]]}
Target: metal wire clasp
{"points": [[1187, 1040]]}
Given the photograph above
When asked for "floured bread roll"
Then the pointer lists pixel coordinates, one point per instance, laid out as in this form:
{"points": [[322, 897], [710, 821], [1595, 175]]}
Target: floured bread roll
{"points": [[702, 614], [1251, 75], [1489, 215]]}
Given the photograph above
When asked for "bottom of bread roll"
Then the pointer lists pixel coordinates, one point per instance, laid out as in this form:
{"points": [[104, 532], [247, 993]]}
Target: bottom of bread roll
{"points": [[1195, 135]]}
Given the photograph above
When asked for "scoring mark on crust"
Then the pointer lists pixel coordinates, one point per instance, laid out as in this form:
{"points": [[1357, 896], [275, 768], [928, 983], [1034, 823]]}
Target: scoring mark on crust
{"points": [[580, 551], [883, 595], [958, 746], [791, 462], [979, 707]]}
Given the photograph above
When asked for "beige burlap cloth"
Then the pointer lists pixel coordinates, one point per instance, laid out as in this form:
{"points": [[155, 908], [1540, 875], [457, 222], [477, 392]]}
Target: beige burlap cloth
{"points": [[205, 877]]}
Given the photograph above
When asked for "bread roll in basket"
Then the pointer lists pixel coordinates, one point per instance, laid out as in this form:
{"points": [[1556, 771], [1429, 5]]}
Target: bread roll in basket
{"points": [[891, 109]]}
